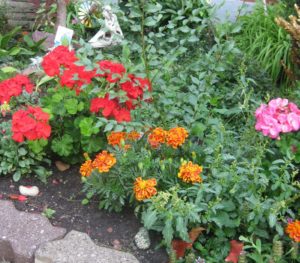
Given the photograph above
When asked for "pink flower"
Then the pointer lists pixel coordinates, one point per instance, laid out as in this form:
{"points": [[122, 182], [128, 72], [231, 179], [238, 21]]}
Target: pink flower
{"points": [[279, 116]]}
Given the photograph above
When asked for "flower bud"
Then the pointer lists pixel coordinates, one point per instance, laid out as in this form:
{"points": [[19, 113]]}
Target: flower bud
{"points": [[194, 155], [140, 165]]}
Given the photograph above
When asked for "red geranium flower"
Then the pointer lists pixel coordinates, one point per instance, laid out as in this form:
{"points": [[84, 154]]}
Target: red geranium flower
{"points": [[13, 87], [76, 76], [30, 124], [113, 71], [60, 57]]}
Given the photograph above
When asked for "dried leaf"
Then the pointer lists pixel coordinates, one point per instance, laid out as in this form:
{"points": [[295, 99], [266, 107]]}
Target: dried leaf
{"points": [[235, 250], [181, 246]]}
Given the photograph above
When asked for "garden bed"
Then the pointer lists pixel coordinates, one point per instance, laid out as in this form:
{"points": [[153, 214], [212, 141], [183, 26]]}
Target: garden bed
{"points": [[108, 229]]}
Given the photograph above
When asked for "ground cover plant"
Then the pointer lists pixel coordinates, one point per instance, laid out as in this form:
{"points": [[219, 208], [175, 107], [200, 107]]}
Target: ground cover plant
{"points": [[184, 129]]}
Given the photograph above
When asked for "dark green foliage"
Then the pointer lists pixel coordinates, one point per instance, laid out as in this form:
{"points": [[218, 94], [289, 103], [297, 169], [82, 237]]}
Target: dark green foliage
{"points": [[21, 159]]}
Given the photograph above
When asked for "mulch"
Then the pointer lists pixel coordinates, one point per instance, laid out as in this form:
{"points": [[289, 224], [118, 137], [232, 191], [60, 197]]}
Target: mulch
{"points": [[63, 194]]}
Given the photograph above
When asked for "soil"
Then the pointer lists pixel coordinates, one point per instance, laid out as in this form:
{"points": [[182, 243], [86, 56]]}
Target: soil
{"points": [[63, 194]]}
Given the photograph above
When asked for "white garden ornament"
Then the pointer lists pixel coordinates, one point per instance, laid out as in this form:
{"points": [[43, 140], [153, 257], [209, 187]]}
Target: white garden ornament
{"points": [[111, 34]]}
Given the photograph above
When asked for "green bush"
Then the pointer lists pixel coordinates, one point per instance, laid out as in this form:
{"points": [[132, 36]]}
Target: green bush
{"points": [[19, 159]]}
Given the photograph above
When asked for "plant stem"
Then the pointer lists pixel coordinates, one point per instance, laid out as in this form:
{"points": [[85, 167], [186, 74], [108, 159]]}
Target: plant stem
{"points": [[143, 40]]}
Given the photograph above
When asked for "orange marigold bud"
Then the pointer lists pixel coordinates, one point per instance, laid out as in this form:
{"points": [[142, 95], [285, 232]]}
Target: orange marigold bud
{"points": [[86, 156], [144, 189], [86, 168], [104, 161], [190, 173], [176, 137], [157, 137], [293, 230]]}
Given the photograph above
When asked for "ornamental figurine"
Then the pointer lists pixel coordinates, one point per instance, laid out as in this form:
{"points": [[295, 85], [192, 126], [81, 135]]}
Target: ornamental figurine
{"points": [[110, 35]]}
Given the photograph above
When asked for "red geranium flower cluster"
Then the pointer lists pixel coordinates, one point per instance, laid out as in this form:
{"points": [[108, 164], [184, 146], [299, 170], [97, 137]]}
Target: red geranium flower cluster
{"points": [[133, 86], [111, 108], [61, 62], [59, 58], [13, 87], [76, 76], [30, 124], [113, 71]]}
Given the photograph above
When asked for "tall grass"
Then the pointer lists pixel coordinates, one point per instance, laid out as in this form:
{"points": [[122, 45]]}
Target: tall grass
{"points": [[264, 41]]}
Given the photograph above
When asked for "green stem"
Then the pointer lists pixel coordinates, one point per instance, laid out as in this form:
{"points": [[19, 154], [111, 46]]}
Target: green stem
{"points": [[143, 40]]}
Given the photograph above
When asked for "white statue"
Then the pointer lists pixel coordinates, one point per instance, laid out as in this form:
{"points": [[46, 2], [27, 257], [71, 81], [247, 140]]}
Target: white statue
{"points": [[111, 35]]}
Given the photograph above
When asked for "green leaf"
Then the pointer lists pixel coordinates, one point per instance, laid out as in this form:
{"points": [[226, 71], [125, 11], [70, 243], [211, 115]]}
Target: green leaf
{"points": [[85, 201], [168, 232], [87, 127], [149, 21], [149, 218], [92, 144], [14, 51], [181, 228], [272, 220], [152, 8], [44, 80], [17, 176], [108, 127], [22, 151], [8, 70], [71, 106], [37, 146], [63, 146]]}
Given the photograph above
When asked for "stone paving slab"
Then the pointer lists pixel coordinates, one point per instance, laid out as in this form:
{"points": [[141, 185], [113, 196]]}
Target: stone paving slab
{"points": [[22, 233], [77, 247]]}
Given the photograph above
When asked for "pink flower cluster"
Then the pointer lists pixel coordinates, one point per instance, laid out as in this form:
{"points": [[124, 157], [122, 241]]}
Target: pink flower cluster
{"points": [[279, 116]]}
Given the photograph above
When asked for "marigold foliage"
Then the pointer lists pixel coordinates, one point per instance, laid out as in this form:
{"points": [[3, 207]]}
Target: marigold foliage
{"points": [[190, 173], [144, 189]]}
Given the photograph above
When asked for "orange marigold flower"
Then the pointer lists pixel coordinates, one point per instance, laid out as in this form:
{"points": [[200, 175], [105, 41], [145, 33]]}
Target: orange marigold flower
{"points": [[86, 168], [104, 161], [133, 136], [293, 230], [176, 137], [144, 189], [190, 173], [157, 137], [116, 138]]}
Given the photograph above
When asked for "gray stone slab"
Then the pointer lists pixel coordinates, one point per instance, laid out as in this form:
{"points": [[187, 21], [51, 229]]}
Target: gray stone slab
{"points": [[22, 233], [77, 247]]}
